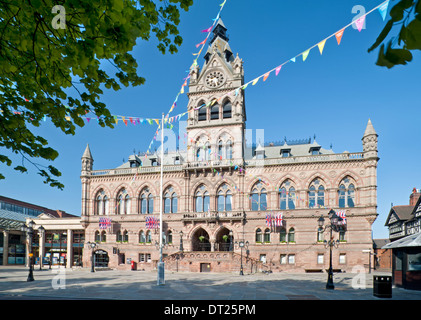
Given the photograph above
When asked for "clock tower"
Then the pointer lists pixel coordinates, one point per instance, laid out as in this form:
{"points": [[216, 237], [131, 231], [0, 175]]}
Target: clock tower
{"points": [[217, 116]]}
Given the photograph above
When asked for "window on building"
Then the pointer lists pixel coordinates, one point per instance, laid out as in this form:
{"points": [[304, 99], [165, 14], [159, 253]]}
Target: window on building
{"points": [[214, 112], [342, 258], [263, 258], [119, 236], [258, 198], [125, 236], [146, 201], [142, 238], [169, 237], [320, 237], [224, 200], [123, 202], [287, 196], [291, 235], [320, 258], [220, 148], [267, 235], [342, 236], [227, 109], [170, 201], [148, 236], [202, 199], [346, 193], [101, 203], [228, 152], [316, 194], [283, 259], [202, 114], [291, 259], [259, 236], [283, 235]]}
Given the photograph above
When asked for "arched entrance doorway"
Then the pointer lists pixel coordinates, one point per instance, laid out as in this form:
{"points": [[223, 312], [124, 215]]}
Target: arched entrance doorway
{"points": [[224, 240], [101, 259], [200, 240]]}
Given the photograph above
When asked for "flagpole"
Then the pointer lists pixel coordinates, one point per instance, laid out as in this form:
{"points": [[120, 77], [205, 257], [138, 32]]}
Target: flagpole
{"points": [[161, 265]]}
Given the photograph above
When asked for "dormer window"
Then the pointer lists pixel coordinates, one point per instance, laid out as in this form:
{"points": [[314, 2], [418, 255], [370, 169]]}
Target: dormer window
{"points": [[314, 151], [177, 160], [154, 162], [285, 153]]}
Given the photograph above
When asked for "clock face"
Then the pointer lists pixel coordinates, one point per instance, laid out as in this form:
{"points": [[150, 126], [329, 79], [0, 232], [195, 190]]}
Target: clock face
{"points": [[214, 79]]}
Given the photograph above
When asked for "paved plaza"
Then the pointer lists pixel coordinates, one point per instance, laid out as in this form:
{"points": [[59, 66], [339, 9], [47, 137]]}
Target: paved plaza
{"points": [[78, 284]]}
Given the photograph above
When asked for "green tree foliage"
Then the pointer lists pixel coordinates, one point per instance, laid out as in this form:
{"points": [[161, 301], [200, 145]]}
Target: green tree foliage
{"points": [[46, 51], [397, 51]]}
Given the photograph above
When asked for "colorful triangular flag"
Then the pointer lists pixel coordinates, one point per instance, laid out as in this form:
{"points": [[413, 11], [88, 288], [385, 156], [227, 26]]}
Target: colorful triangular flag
{"points": [[305, 54], [255, 81], [266, 76], [339, 35], [278, 69], [383, 10], [360, 23], [321, 45]]}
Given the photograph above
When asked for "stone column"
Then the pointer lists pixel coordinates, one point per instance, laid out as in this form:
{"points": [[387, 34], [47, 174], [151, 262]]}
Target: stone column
{"points": [[41, 246]]}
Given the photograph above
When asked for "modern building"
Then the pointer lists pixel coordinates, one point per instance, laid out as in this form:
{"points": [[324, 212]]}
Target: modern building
{"points": [[13, 216], [222, 191]]}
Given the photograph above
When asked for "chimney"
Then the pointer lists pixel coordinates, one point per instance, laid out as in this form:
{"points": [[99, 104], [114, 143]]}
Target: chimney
{"points": [[413, 198]]}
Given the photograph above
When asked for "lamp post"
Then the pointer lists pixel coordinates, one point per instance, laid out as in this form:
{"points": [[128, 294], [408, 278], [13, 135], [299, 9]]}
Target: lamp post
{"points": [[181, 241], [29, 230], [41, 231], [92, 245], [242, 244], [333, 226]]}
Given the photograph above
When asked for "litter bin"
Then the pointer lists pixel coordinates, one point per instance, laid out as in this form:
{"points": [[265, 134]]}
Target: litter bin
{"points": [[382, 286], [133, 264]]}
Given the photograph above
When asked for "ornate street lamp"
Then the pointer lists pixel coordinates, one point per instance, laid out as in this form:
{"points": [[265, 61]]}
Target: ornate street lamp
{"points": [[92, 245], [29, 230], [241, 244], [333, 226], [181, 241], [41, 232]]}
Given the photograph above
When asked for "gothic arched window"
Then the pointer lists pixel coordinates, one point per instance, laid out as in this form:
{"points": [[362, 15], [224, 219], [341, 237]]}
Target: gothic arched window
{"points": [[286, 196], [123, 202], [227, 110], [228, 150], [170, 201], [142, 238], [214, 112], [202, 113], [259, 235], [316, 194], [202, 199], [291, 235], [267, 235], [258, 198], [346, 193], [220, 152], [146, 201], [224, 200]]}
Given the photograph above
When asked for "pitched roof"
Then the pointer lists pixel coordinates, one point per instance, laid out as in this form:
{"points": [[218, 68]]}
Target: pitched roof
{"points": [[402, 212]]}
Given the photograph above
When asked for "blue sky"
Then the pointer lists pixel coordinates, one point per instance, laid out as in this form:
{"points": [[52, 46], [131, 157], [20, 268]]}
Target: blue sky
{"points": [[331, 96]]}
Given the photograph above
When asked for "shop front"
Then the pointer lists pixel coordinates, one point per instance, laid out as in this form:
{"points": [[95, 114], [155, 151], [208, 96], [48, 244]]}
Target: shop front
{"points": [[406, 263]]}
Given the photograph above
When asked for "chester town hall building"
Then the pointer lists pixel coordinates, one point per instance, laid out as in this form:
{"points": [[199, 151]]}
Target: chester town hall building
{"points": [[221, 191]]}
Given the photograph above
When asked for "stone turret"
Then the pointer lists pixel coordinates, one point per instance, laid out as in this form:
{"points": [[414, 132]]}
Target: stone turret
{"points": [[87, 165], [370, 141], [87, 160]]}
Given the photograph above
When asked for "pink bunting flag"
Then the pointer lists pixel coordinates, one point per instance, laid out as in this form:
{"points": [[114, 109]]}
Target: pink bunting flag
{"points": [[278, 69], [88, 119], [207, 30], [360, 23]]}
